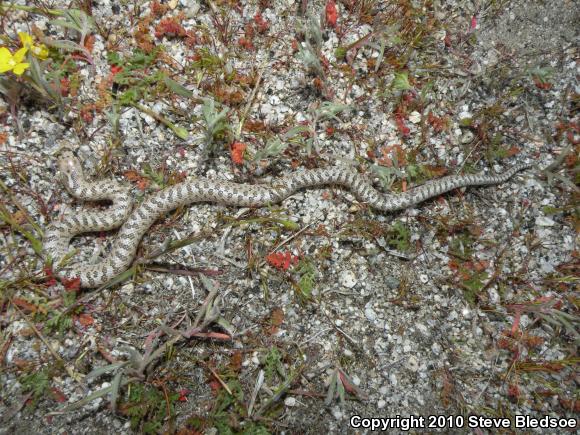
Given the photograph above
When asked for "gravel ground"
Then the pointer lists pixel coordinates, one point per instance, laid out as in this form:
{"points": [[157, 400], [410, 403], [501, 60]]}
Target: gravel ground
{"points": [[466, 305]]}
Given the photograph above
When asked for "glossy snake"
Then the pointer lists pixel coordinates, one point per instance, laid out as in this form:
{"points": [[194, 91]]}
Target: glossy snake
{"points": [[134, 223]]}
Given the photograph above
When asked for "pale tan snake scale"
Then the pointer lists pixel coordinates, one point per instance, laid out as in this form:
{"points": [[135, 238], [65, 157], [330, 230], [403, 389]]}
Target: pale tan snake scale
{"points": [[134, 223]]}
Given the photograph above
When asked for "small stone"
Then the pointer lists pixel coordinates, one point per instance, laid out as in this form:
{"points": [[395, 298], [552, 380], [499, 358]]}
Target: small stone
{"points": [[467, 137], [337, 413], [436, 348], [465, 114], [415, 117], [381, 404], [543, 221], [266, 109], [413, 363], [424, 278], [348, 279], [370, 314], [290, 401], [392, 282], [546, 267]]}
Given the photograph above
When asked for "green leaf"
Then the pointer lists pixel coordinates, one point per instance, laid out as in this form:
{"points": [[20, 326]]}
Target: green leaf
{"points": [[129, 97], [176, 88], [75, 19], [331, 388], [114, 58], [340, 53], [294, 131], [99, 371], [65, 45], [273, 148], [66, 24], [180, 132], [115, 387], [401, 82], [328, 110]]}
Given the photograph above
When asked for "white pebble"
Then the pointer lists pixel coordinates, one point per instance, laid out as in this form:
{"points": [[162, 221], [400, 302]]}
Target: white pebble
{"points": [[348, 279], [543, 221]]}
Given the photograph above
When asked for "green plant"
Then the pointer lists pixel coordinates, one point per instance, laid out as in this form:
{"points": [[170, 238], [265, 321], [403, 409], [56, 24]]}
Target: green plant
{"points": [[310, 59], [140, 81], [306, 282], [36, 383], [325, 111], [401, 82], [273, 364], [473, 283], [207, 62], [59, 323], [461, 246], [387, 174], [216, 126], [148, 407], [339, 384], [309, 52], [399, 237], [79, 21], [312, 31], [274, 148], [541, 75]]}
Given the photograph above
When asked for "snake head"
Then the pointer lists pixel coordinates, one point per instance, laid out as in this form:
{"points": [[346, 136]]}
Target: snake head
{"points": [[70, 169]]}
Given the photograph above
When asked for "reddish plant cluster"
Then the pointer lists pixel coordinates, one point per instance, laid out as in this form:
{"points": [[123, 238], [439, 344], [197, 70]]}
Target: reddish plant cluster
{"points": [[513, 391], [257, 25], [541, 84], [331, 13], [87, 113], [390, 154], [261, 24], [401, 113], [158, 9], [282, 260], [511, 341], [64, 86], [400, 122], [72, 285], [571, 130], [50, 279], [439, 124], [170, 28], [237, 152], [141, 182]]}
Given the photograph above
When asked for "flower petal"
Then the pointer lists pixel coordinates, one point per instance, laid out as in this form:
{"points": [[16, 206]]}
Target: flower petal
{"points": [[19, 55], [5, 55], [20, 68], [26, 39], [6, 61], [40, 51]]}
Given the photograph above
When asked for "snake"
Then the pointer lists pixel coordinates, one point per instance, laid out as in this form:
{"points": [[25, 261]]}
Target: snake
{"points": [[134, 221]]}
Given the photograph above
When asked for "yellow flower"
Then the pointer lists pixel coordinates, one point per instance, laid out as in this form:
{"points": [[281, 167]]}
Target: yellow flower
{"points": [[13, 62], [39, 50]]}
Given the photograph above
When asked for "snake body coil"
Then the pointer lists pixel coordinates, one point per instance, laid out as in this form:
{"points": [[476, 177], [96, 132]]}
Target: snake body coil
{"points": [[135, 223]]}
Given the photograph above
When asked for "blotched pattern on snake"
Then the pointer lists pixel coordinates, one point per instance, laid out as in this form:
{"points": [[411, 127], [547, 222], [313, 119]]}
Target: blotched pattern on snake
{"points": [[134, 223]]}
